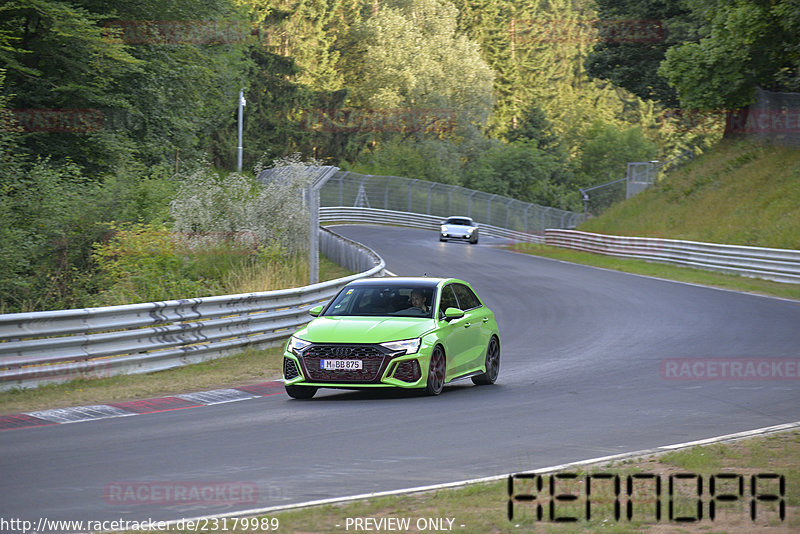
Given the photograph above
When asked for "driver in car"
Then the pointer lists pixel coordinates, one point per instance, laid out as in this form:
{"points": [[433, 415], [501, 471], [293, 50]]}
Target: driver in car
{"points": [[418, 306]]}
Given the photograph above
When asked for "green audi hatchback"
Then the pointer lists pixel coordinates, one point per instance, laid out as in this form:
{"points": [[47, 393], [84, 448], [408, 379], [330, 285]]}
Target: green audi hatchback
{"points": [[417, 333]]}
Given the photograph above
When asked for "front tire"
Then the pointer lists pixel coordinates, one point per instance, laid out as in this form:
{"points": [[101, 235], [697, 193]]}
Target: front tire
{"points": [[436, 372], [301, 392], [474, 239], [492, 365]]}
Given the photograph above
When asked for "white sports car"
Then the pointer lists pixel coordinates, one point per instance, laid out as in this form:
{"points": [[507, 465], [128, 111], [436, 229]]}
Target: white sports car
{"points": [[459, 228]]}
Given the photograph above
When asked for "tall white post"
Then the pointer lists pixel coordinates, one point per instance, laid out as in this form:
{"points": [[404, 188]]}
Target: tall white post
{"points": [[242, 104]]}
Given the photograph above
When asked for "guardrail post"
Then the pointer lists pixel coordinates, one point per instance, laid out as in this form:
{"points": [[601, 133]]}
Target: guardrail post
{"points": [[469, 203], [449, 201], [525, 217], [410, 187], [544, 217]]}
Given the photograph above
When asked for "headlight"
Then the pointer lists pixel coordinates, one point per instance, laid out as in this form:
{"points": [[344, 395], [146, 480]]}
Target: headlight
{"points": [[296, 344], [409, 345], [444, 228]]}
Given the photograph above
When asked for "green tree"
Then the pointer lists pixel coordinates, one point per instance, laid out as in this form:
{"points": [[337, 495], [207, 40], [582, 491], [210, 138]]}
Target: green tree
{"points": [[59, 58], [633, 37], [431, 159], [412, 56], [607, 151], [604, 158], [534, 126], [491, 24], [522, 171], [747, 43], [537, 50], [310, 32], [162, 91]]}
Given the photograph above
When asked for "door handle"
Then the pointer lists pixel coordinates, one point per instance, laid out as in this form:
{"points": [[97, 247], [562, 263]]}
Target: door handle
{"points": [[485, 319], [467, 325]]}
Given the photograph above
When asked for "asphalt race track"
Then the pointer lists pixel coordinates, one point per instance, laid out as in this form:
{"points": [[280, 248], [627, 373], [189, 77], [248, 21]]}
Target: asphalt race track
{"points": [[583, 353]]}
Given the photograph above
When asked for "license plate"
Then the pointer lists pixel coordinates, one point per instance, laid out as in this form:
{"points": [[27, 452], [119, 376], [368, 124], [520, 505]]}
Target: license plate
{"points": [[340, 365]]}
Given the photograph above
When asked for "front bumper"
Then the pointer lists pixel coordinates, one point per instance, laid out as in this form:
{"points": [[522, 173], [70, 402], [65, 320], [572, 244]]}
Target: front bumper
{"points": [[380, 367], [456, 235]]}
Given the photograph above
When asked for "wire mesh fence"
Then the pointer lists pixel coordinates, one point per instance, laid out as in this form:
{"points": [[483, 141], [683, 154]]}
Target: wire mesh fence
{"points": [[599, 198], [639, 176], [443, 200]]}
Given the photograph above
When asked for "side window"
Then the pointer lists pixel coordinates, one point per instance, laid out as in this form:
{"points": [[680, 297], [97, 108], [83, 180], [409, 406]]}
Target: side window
{"points": [[448, 299], [466, 298]]}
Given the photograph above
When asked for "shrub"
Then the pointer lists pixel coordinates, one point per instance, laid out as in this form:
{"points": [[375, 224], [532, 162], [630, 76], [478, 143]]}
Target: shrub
{"points": [[236, 207], [143, 263], [148, 263]]}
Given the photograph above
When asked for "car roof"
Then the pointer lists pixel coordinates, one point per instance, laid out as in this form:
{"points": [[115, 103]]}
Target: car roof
{"points": [[399, 281]]}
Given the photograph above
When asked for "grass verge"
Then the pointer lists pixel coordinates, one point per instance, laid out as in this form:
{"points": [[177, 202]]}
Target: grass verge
{"points": [[249, 367], [483, 508], [661, 270], [740, 192]]}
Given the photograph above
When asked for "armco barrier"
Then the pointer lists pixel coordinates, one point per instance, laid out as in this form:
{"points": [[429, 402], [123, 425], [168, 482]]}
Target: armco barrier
{"points": [[781, 265], [56, 346], [413, 220]]}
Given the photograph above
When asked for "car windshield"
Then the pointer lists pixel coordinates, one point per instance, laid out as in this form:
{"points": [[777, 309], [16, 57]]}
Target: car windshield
{"points": [[460, 222], [392, 300]]}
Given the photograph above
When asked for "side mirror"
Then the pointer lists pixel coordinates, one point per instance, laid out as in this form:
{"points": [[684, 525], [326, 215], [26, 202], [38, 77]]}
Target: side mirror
{"points": [[315, 311], [453, 313]]}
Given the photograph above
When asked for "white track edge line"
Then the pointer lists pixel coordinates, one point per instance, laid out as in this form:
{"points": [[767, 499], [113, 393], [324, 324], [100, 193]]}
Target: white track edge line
{"points": [[448, 485]]}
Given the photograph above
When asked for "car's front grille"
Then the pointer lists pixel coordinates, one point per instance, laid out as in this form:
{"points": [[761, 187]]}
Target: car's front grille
{"points": [[342, 352], [289, 369], [372, 363]]}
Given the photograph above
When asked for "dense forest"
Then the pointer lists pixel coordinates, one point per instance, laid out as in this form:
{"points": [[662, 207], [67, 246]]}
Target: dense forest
{"points": [[106, 108]]}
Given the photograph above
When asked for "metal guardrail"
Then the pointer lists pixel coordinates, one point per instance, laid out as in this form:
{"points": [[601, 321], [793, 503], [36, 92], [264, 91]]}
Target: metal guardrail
{"points": [[62, 345], [414, 220], [780, 265]]}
